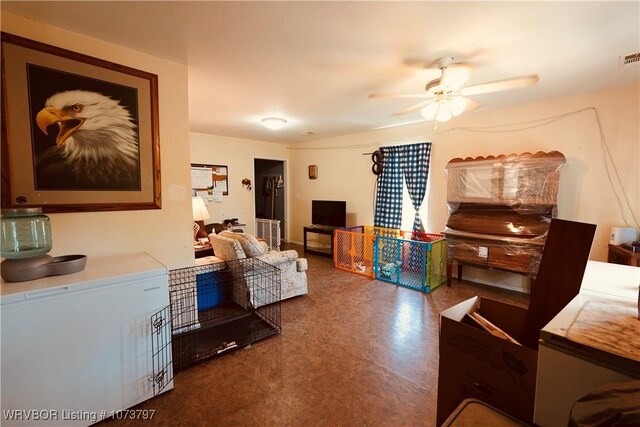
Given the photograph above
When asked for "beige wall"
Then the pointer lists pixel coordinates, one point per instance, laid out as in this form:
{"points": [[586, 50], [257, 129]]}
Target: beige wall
{"points": [[344, 172], [165, 233], [238, 155], [585, 191]]}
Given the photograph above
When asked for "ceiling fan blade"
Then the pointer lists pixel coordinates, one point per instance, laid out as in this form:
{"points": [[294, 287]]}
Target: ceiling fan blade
{"points": [[498, 85], [401, 95], [413, 107], [472, 105]]}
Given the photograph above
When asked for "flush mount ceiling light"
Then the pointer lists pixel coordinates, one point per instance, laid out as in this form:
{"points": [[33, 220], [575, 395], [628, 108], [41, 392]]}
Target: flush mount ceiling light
{"points": [[274, 123]]}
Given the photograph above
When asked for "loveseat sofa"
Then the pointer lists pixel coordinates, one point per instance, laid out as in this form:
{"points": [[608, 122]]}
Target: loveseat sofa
{"points": [[230, 246]]}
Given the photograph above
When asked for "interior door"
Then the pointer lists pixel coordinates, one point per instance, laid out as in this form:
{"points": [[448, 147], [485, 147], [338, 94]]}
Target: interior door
{"points": [[270, 191]]}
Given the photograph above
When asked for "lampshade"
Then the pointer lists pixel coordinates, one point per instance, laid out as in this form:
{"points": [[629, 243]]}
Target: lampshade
{"points": [[200, 212], [274, 123]]}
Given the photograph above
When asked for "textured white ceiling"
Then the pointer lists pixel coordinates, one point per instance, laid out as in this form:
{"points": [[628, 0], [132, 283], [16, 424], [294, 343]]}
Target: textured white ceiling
{"points": [[315, 63]]}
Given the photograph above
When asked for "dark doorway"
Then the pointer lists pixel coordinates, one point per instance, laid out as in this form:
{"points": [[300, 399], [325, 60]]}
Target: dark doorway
{"points": [[270, 190]]}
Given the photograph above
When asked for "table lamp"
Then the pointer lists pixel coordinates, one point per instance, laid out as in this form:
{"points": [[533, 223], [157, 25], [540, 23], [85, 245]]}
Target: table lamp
{"points": [[200, 213]]}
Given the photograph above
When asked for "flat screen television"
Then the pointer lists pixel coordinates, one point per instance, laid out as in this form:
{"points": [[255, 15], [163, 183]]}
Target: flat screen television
{"points": [[329, 212]]}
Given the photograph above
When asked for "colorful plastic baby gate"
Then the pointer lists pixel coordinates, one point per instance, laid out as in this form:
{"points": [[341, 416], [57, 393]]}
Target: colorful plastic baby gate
{"points": [[411, 259]]}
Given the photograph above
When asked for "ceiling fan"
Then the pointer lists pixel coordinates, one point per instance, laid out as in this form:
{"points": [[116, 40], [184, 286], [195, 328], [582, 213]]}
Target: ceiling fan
{"points": [[446, 97]]}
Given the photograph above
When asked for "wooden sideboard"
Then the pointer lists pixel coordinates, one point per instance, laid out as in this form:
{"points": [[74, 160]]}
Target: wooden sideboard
{"points": [[500, 208], [620, 255]]}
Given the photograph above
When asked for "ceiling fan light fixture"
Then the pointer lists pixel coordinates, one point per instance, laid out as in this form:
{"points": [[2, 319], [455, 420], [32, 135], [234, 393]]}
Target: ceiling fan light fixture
{"points": [[438, 110], [444, 112], [274, 123], [429, 112], [446, 97], [457, 105]]}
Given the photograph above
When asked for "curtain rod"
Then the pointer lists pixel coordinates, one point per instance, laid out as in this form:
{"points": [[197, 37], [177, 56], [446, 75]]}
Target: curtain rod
{"points": [[399, 143]]}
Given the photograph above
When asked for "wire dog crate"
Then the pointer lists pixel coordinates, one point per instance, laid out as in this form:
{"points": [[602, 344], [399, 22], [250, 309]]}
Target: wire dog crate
{"points": [[269, 230], [216, 308]]}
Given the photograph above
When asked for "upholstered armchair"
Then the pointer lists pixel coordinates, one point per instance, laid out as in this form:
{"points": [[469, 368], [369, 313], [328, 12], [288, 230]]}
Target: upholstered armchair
{"points": [[231, 246]]}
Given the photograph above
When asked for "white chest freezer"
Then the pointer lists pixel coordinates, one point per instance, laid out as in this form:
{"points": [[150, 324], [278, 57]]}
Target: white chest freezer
{"points": [[76, 348]]}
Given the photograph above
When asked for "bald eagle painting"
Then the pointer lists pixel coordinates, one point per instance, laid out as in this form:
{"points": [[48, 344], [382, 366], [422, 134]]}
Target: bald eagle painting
{"points": [[92, 143]]}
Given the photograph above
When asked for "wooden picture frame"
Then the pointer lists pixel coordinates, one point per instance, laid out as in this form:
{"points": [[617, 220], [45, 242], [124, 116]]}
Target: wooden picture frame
{"points": [[313, 172], [78, 133]]}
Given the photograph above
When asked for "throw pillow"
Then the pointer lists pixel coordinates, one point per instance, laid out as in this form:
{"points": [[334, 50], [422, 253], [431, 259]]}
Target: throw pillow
{"points": [[252, 247], [225, 248]]}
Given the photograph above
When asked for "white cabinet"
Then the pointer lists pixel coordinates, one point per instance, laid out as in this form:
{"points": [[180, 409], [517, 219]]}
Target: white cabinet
{"points": [[80, 346]]}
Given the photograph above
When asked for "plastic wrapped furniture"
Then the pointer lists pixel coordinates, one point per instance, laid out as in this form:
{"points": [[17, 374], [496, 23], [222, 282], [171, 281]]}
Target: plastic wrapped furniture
{"points": [[500, 208]]}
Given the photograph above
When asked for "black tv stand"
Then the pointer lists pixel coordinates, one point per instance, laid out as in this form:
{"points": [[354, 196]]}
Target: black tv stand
{"points": [[319, 229]]}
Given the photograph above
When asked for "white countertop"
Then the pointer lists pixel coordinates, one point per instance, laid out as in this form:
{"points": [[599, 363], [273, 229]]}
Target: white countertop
{"points": [[614, 283], [615, 286]]}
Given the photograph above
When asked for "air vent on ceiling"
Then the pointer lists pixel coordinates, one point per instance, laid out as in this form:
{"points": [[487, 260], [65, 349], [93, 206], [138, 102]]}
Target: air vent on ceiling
{"points": [[630, 60], [308, 133]]}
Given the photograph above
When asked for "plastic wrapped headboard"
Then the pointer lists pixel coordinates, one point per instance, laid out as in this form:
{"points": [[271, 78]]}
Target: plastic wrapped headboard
{"points": [[521, 181]]}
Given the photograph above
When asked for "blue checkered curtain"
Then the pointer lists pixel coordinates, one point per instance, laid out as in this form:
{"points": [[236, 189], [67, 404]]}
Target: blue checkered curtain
{"points": [[389, 196], [414, 161]]}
